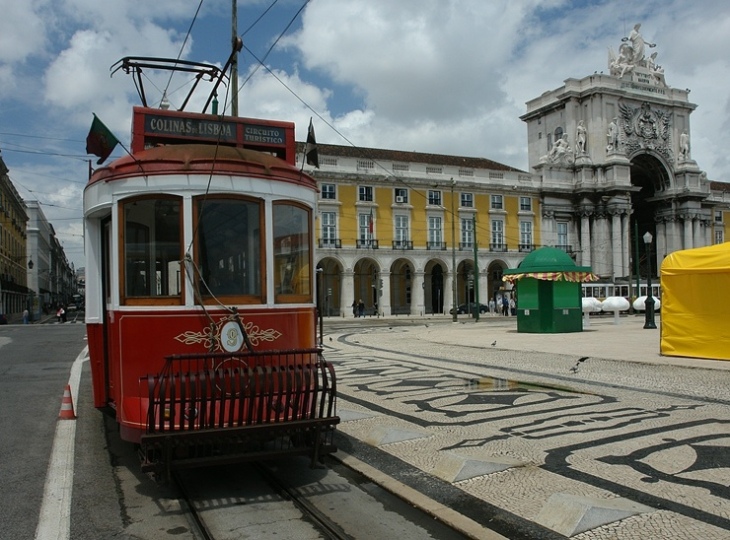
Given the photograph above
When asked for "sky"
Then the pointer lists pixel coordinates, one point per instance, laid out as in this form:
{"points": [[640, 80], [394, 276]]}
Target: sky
{"points": [[437, 76]]}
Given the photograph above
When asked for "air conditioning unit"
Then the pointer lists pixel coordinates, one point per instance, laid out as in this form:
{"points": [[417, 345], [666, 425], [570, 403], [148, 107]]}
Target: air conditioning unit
{"points": [[400, 199]]}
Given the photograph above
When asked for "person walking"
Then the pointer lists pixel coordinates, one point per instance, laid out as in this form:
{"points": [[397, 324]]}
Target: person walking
{"points": [[26, 316]]}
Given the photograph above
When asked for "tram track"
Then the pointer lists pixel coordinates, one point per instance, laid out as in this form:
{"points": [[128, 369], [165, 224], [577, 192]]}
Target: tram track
{"points": [[284, 500]]}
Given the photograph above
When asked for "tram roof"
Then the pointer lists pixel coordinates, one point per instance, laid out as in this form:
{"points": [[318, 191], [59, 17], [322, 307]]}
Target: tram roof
{"points": [[201, 159]]}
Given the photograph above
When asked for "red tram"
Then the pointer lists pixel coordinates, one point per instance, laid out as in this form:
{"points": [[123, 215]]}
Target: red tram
{"points": [[200, 307]]}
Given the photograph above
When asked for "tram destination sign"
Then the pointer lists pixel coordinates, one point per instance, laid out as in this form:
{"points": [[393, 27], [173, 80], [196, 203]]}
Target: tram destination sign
{"points": [[190, 128], [152, 127]]}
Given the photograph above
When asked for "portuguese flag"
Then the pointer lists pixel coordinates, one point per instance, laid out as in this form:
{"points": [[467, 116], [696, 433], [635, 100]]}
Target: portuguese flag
{"points": [[100, 141]]}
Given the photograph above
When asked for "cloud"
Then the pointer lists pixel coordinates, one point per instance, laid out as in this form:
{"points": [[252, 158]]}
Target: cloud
{"points": [[440, 76]]}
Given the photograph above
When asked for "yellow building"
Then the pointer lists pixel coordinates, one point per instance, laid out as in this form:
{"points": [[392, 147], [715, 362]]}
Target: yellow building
{"points": [[401, 231], [14, 293]]}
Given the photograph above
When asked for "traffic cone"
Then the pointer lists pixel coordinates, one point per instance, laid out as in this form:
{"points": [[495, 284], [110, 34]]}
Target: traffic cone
{"points": [[67, 406]]}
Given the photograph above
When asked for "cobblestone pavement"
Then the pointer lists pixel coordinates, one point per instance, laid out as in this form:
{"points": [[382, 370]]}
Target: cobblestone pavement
{"points": [[521, 436]]}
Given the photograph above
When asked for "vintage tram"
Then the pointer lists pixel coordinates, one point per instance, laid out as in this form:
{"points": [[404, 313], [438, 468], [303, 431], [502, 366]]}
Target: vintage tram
{"points": [[200, 293]]}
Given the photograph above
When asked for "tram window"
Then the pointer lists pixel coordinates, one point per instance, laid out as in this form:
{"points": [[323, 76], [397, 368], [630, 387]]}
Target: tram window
{"points": [[229, 249], [292, 256], [152, 248]]}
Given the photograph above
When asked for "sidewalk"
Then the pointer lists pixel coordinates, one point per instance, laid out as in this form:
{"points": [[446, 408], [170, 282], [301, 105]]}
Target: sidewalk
{"points": [[630, 447], [601, 338]]}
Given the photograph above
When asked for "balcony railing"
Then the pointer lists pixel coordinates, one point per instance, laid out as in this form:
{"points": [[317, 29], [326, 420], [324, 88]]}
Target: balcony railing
{"points": [[402, 244], [436, 245], [330, 243], [565, 247], [463, 246], [497, 247], [367, 244], [526, 248]]}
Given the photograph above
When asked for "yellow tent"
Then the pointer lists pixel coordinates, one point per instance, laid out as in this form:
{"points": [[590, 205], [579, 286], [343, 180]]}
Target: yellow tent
{"points": [[696, 303]]}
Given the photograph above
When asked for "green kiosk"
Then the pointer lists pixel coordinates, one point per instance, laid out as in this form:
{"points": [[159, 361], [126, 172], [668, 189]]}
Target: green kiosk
{"points": [[549, 292]]}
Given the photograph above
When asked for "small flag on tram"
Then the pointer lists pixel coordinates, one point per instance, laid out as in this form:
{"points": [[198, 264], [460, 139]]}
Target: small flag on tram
{"points": [[100, 141], [310, 151]]}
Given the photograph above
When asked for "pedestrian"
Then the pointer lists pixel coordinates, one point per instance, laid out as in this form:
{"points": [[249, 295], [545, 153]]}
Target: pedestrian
{"points": [[512, 306], [361, 308], [26, 316], [354, 309], [505, 306], [60, 314], [491, 307]]}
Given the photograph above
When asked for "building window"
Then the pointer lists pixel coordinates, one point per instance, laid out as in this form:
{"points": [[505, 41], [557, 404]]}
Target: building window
{"points": [[718, 216], [329, 229], [434, 197], [329, 192], [497, 237], [434, 230], [525, 204], [365, 194], [562, 234], [366, 226], [719, 236], [497, 202], [526, 236], [467, 233], [401, 229], [467, 200], [401, 195]]}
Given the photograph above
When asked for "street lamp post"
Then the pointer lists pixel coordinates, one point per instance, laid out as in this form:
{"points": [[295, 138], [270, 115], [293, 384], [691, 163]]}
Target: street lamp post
{"points": [[453, 253], [649, 304]]}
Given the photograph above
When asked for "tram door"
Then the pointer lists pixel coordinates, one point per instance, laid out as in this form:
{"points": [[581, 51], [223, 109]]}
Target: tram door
{"points": [[105, 275]]}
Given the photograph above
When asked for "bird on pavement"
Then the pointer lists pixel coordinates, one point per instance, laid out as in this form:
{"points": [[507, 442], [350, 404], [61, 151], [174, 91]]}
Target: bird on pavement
{"points": [[494, 343], [574, 369]]}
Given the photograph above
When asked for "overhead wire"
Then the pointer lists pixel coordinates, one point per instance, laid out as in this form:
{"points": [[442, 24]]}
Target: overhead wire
{"points": [[182, 47], [362, 151]]}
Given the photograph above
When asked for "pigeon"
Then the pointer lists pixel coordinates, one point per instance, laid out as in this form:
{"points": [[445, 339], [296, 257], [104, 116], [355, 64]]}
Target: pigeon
{"points": [[494, 343], [574, 369], [330, 339]]}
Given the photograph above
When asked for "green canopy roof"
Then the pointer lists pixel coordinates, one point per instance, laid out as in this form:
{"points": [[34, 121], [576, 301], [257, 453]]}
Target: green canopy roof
{"points": [[547, 259]]}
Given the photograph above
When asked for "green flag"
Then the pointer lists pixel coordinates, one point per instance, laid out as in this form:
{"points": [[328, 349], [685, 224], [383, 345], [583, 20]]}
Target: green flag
{"points": [[100, 141]]}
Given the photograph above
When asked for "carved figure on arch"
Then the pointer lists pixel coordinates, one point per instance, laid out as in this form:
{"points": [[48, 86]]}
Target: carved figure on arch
{"points": [[560, 152], [612, 136], [637, 45], [684, 146], [620, 65], [580, 138]]}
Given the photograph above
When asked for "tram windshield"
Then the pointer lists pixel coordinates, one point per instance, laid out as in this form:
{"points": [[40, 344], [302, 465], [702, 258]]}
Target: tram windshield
{"points": [[292, 275], [229, 248], [152, 248]]}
